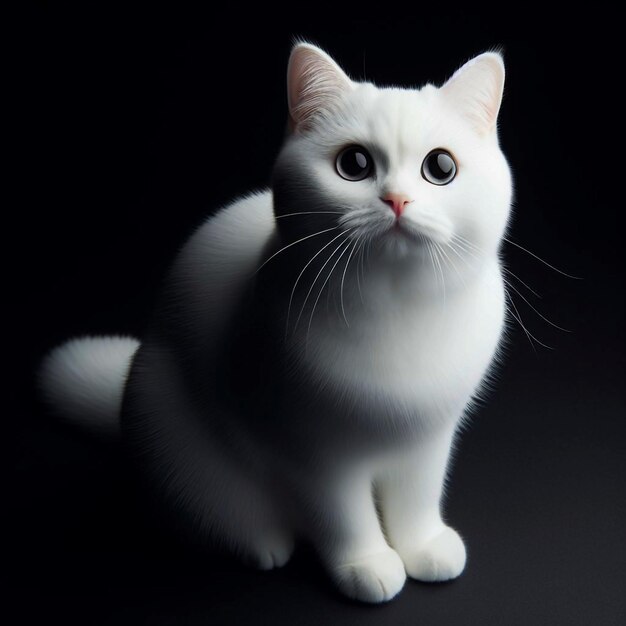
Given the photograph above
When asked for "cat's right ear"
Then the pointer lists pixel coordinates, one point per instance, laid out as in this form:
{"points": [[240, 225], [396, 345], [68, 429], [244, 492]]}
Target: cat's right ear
{"points": [[315, 83]]}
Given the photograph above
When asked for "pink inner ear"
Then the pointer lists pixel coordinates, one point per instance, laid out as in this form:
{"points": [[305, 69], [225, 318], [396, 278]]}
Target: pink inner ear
{"points": [[314, 83], [476, 90]]}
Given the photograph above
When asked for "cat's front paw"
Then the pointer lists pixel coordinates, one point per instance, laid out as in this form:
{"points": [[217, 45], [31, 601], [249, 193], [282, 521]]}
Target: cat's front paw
{"points": [[376, 578], [441, 558]]}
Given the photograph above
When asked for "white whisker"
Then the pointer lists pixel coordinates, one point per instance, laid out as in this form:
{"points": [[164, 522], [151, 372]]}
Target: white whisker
{"points": [[321, 232], [454, 267], [543, 317], [518, 317], [440, 270], [468, 244], [332, 269], [343, 278], [293, 291], [464, 246], [279, 217], [315, 280], [360, 261], [556, 269], [508, 271]]}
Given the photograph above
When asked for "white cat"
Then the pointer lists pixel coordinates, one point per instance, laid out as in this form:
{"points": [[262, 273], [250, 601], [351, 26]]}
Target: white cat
{"points": [[316, 345]]}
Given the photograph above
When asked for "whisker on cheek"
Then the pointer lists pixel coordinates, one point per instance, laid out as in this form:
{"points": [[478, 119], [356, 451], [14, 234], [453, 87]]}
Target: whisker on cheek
{"points": [[293, 291], [308, 295], [332, 269], [343, 279]]}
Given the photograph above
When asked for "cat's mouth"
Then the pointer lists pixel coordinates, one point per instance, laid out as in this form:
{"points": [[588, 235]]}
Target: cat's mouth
{"points": [[401, 230], [419, 232]]}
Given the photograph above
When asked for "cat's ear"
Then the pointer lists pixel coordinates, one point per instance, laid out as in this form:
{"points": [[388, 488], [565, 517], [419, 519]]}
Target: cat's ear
{"points": [[476, 90], [314, 83]]}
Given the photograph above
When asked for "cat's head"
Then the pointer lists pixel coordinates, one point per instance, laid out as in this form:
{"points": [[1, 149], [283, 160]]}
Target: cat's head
{"points": [[408, 170]]}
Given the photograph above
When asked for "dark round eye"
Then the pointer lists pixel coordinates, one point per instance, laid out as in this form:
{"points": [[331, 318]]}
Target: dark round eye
{"points": [[354, 163], [439, 167]]}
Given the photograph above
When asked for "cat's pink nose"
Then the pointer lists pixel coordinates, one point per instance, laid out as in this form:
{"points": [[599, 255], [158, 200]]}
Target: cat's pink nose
{"points": [[397, 202]]}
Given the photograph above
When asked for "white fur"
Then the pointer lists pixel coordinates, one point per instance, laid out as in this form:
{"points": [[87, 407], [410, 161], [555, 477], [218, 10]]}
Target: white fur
{"points": [[375, 351], [84, 379]]}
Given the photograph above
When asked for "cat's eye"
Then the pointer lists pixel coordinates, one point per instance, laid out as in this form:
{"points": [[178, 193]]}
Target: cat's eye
{"points": [[439, 168], [354, 163]]}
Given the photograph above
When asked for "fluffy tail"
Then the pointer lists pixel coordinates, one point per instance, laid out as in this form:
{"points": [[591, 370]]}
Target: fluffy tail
{"points": [[83, 380]]}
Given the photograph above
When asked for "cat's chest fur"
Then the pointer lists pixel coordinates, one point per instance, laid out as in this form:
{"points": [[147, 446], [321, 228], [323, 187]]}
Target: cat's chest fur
{"points": [[425, 351]]}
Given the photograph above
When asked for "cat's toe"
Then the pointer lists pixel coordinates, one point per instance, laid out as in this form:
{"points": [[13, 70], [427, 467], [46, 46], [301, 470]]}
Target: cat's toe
{"points": [[376, 578], [439, 559], [271, 553]]}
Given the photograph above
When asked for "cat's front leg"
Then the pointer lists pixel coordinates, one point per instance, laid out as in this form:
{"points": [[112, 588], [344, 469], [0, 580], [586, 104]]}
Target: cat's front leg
{"points": [[345, 529], [410, 494]]}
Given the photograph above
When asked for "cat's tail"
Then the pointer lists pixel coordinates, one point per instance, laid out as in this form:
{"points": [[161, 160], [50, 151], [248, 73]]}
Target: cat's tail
{"points": [[83, 381]]}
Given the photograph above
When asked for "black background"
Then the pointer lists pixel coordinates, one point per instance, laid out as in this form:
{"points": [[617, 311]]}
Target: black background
{"points": [[131, 128]]}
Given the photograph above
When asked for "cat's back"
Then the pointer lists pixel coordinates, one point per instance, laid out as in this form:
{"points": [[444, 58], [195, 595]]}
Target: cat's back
{"points": [[220, 260]]}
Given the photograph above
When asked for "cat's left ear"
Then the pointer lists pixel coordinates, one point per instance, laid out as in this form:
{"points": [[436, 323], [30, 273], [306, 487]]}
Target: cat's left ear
{"points": [[476, 90], [315, 83]]}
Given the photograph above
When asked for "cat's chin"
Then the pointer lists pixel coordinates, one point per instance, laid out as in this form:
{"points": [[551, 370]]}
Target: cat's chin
{"points": [[402, 242]]}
